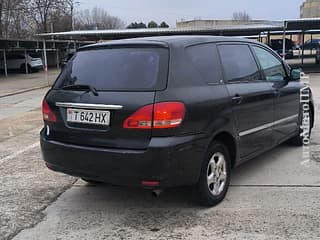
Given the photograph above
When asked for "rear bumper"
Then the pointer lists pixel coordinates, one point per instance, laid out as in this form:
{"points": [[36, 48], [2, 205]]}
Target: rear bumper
{"points": [[174, 161], [37, 67]]}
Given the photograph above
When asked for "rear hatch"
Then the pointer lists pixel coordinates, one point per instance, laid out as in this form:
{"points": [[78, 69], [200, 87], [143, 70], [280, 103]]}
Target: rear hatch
{"points": [[99, 88]]}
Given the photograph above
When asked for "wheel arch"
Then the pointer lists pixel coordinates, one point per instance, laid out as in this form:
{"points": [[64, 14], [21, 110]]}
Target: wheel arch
{"points": [[313, 114], [230, 142]]}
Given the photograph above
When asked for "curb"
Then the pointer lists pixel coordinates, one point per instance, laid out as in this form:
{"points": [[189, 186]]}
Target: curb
{"points": [[24, 91]]}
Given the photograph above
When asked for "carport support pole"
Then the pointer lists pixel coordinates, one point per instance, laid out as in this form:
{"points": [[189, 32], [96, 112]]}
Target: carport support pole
{"points": [[311, 38], [45, 56], [302, 57], [284, 44], [5, 62], [57, 58], [26, 61], [45, 62]]}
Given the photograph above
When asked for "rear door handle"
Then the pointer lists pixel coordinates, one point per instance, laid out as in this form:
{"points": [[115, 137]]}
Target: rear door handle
{"points": [[237, 99]]}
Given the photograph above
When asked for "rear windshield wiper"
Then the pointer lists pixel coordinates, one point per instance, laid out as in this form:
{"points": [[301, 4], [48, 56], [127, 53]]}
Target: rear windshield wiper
{"points": [[81, 87]]}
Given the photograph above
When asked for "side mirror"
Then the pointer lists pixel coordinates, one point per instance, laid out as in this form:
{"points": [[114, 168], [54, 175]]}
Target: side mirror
{"points": [[295, 74]]}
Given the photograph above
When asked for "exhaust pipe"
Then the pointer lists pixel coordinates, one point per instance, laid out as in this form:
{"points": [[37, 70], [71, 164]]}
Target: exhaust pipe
{"points": [[156, 193]]}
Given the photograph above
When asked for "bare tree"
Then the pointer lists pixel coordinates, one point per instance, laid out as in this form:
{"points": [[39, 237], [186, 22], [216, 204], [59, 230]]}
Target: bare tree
{"points": [[24, 18], [1, 15], [71, 4], [241, 16], [42, 12], [11, 14], [97, 18], [60, 21], [18, 22]]}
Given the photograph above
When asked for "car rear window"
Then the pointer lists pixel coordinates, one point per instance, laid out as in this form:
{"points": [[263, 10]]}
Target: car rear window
{"points": [[127, 69]]}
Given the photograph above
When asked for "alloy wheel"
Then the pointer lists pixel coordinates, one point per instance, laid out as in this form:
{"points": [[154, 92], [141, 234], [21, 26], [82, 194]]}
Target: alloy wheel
{"points": [[217, 174]]}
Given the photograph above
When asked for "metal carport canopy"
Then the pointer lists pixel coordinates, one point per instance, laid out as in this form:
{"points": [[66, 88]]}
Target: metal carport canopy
{"points": [[234, 30], [303, 24], [25, 45]]}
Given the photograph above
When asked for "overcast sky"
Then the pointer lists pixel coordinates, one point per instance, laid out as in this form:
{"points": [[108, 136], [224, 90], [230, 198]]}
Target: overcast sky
{"points": [[173, 10]]}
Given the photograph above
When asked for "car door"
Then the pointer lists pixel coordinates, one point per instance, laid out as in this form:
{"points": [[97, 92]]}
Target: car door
{"points": [[251, 96], [286, 93]]}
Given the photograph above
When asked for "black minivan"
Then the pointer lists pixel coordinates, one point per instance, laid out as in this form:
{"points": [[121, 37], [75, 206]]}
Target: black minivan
{"points": [[172, 111]]}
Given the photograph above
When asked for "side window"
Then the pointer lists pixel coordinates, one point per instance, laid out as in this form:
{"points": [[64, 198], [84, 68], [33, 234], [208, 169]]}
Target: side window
{"points": [[238, 63], [271, 66], [205, 60]]}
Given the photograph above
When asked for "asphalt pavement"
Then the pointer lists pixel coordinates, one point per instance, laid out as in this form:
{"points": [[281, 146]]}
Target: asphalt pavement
{"points": [[17, 83]]}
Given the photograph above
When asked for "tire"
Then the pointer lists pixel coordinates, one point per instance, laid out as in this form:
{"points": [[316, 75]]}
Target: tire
{"points": [[212, 186], [92, 182], [298, 140]]}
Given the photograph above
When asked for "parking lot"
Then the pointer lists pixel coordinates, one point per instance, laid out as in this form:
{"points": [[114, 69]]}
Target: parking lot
{"points": [[18, 83], [275, 196]]}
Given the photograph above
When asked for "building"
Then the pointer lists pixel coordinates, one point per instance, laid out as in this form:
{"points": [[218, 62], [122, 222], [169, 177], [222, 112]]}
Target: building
{"points": [[215, 23], [310, 9]]}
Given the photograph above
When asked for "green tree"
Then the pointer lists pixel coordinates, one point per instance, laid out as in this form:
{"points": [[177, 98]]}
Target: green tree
{"points": [[134, 25], [142, 25], [152, 24], [164, 25]]}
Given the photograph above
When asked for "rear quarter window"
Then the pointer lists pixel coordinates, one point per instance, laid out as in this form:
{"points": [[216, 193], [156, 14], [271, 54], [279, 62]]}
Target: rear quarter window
{"points": [[127, 69], [205, 60], [238, 63]]}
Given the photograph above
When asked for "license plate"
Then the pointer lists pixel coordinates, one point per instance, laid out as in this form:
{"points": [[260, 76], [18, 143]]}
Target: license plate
{"points": [[88, 116]]}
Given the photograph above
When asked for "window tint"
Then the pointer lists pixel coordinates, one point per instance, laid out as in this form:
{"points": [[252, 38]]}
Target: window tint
{"points": [[238, 63], [204, 58], [271, 66], [117, 69]]}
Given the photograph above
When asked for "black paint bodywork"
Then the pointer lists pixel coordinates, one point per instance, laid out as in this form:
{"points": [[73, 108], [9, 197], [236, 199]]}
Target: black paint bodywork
{"points": [[172, 156]]}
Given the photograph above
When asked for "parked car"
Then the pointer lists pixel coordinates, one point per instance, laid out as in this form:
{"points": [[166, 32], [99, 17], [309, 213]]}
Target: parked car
{"points": [[312, 44], [171, 111], [277, 45], [18, 62], [318, 56]]}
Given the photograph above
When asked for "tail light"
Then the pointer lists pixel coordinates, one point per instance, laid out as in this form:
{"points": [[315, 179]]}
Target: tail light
{"points": [[47, 113], [157, 116]]}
